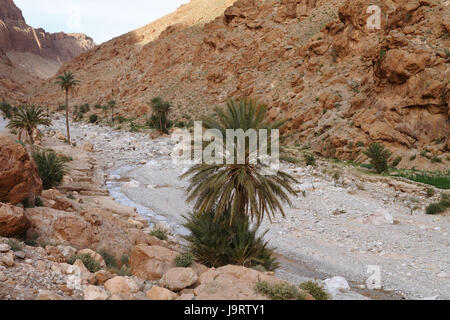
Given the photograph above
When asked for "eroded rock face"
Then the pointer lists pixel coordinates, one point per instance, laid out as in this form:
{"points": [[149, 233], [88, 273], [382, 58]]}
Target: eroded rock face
{"points": [[151, 262], [13, 222], [19, 178]]}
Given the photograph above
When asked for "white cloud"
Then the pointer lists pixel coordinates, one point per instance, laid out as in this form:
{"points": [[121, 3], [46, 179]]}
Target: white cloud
{"points": [[100, 19]]}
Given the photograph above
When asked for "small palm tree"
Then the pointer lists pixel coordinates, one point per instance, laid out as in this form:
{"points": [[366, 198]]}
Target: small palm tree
{"points": [[240, 187], [111, 105], [27, 118], [160, 110], [67, 82], [378, 156]]}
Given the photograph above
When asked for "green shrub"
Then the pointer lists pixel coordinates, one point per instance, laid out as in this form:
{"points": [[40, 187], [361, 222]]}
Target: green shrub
{"points": [[38, 202], [360, 144], [430, 192], [378, 156], [160, 232], [93, 118], [310, 159], [316, 290], [109, 259], [184, 260], [436, 159], [125, 271], [124, 260], [217, 242], [280, 291], [15, 245], [396, 161], [61, 108], [412, 158], [440, 207], [85, 108], [51, 168], [7, 110], [89, 262]]}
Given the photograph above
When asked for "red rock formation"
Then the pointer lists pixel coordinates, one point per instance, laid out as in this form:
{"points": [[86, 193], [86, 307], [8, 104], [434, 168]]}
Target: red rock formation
{"points": [[19, 178]]}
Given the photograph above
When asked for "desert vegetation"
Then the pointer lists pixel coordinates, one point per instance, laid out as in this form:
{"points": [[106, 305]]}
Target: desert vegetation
{"points": [[67, 82]]}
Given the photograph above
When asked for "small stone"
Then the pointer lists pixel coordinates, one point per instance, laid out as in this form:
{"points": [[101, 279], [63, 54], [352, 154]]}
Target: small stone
{"points": [[20, 255], [4, 248]]}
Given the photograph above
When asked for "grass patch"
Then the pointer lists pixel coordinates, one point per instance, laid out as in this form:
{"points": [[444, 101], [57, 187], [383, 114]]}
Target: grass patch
{"points": [[184, 260], [316, 290], [89, 262], [280, 291], [439, 180], [440, 207], [15, 245], [109, 259], [160, 232]]}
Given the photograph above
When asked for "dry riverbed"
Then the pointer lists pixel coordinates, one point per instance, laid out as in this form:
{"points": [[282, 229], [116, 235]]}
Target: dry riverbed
{"points": [[337, 227]]}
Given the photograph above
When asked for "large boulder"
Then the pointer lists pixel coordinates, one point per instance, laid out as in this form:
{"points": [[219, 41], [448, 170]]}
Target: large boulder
{"points": [[19, 178], [122, 286], [13, 222], [151, 262], [177, 279], [231, 283]]}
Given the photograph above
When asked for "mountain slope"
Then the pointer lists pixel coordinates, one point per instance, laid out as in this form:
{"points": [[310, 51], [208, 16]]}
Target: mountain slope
{"points": [[28, 53], [314, 62]]}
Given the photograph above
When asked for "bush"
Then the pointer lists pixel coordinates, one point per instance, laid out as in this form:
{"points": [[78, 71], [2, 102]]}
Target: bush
{"points": [[89, 262], [109, 259], [316, 290], [396, 161], [85, 108], [219, 242], [184, 260], [378, 156], [38, 202], [440, 207], [51, 168], [436, 159], [15, 245], [430, 192], [280, 291], [310, 160], [93, 118], [160, 232], [7, 110]]}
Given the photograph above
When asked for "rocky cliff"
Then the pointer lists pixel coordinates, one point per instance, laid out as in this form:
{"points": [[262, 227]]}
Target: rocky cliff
{"points": [[316, 63], [27, 53]]}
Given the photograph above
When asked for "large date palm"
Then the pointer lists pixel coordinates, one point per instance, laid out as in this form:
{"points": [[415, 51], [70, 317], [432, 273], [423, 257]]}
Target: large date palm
{"points": [[28, 118], [243, 188], [67, 82]]}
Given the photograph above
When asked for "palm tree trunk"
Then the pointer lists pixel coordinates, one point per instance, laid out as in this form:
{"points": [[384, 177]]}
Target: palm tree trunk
{"points": [[112, 114], [30, 138], [67, 116]]}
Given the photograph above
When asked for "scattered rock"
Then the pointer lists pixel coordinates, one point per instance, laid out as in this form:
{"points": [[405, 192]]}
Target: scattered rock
{"points": [[151, 262], [177, 279], [122, 286], [158, 293]]}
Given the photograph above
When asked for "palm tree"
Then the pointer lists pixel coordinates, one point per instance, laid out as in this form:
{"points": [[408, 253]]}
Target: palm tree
{"points": [[27, 118], [67, 82], [240, 187], [111, 105], [160, 110]]}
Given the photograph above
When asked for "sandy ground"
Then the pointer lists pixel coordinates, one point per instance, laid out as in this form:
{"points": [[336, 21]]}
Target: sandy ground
{"points": [[325, 234]]}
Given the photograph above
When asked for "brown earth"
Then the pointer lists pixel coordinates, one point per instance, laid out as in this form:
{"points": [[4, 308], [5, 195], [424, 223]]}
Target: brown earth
{"points": [[314, 62]]}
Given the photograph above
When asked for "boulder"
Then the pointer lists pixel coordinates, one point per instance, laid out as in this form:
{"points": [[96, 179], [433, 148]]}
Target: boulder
{"points": [[151, 262], [231, 283], [57, 200], [19, 178], [7, 259], [13, 222], [122, 286], [336, 285], [81, 270], [95, 293], [158, 293], [177, 279], [48, 295]]}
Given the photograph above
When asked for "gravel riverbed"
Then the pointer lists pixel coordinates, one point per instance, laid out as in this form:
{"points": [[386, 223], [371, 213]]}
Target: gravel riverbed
{"points": [[335, 228]]}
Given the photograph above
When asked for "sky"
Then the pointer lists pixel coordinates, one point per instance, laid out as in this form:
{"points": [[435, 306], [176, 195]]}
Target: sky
{"points": [[100, 19]]}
